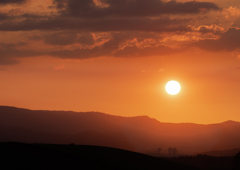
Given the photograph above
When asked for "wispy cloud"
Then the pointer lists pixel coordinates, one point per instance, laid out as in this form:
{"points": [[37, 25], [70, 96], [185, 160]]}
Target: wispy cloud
{"points": [[59, 67]]}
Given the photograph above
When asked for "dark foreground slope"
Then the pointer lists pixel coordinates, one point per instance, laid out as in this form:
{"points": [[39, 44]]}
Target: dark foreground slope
{"points": [[204, 162], [49, 156]]}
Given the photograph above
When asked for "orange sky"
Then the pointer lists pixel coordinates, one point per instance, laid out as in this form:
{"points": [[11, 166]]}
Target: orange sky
{"points": [[116, 57]]}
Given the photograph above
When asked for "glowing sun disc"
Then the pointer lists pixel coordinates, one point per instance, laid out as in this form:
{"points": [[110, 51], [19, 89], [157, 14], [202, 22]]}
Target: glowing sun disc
{"points": [[173, 87]]}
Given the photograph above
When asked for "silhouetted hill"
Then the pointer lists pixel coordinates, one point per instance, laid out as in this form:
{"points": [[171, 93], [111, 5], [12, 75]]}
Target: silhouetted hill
{"points": [[139, 133], [43, 156], [231, 152]]}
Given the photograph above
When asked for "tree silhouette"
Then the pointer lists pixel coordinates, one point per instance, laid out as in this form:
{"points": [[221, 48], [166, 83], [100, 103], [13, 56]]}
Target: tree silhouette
{"points": [[170, 150], [174, 150]]}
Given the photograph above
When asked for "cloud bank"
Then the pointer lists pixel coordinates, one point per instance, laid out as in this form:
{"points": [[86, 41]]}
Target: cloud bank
{"points": [[127, 28]]}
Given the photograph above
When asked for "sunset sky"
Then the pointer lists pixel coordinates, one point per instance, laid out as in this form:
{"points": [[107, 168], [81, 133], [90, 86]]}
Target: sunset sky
{"points": [[116, 56]]}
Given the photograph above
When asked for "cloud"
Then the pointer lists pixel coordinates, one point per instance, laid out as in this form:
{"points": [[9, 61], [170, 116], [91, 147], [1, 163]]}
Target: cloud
{"points": [[130, 8], [124, 44], [8, 61], [10, 53], [82, 29], [113, 44], [237, 23], [77, 53], [60, 3], [231, 11], [13, 16], [35, 37], [61, 38], [209, 29], [134, 51], [59, 67], [86, 39], [164, 24], [3, 16], [108, 15], [4, 2], [229, 41], [66, 38]]}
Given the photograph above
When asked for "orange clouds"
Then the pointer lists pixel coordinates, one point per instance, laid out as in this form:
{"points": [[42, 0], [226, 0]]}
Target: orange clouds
{"points": [[231, 11], [127, 28]]}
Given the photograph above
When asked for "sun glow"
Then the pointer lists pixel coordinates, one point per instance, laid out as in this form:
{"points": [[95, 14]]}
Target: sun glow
{"points": [[173, 87]]}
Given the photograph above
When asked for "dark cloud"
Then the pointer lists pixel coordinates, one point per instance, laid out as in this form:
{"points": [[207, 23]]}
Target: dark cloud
{"points": [[131, 8], [164, 24], [117, 15], [134, 51], [229, 41], [32, 16], [9, 53], [129, 24], [62, 38], [120, 44], [67, 38], [86, 39], [4, 2], [8, 61], [237, 23], [15, 53], [3, 16], [11, 45], [60, 3], [35, 37], [116, 39], [116, 44], [77, 53], [10, 18]]}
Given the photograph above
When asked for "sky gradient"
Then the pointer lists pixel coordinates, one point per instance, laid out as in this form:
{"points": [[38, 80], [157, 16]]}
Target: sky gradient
{"points": [[116, 56]]}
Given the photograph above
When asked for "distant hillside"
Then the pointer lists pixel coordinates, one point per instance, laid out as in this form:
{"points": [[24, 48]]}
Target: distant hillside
{"points": [[231, 152], [131, 133]]}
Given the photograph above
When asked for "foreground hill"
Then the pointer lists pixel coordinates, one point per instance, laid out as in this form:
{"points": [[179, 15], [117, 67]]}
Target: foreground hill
{"points": [[139, 134], [43, 156]]}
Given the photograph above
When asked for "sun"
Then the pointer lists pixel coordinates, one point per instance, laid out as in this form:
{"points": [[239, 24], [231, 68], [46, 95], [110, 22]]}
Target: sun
{"points": [[173, 87]]}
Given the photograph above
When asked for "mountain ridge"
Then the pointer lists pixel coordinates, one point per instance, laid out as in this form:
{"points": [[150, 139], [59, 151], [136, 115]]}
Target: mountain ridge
{"points": [[140, 133], [97, 112]]}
